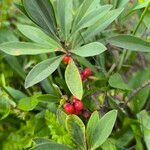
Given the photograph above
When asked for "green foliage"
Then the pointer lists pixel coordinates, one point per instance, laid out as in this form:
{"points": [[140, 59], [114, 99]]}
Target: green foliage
{"points": [[57, 131], [23, 48], [85, 51], [4, 106], [92, 34], [47, 146], [144, 119], [130, 42], [28, 103], [42, 71], [38, 36], [73, 80], [116, 81], [76, 129], [139, 100], [102, 130]]}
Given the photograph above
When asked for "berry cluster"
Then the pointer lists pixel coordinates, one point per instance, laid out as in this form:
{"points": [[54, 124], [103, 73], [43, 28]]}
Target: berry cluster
{"points": [[85, 73], [76, 107]]}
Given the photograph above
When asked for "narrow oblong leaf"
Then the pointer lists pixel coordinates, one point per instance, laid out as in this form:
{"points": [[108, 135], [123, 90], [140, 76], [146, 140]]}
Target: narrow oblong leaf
{"points": [[24, 48], [50, 145], [5, 107], [91, 49], [101, 24], [103, 129], [130, 42], [92, 17], [73, 80], [65, 17], [38, 36], [85, 7], [42, 71], [92, 123], [42, 13], [76, 129]]}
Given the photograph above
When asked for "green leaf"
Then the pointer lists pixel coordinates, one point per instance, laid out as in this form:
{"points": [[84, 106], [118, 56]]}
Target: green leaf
{"points": [[6, 36], [91, 49], [144, 119], [116, 81], [28, 103], [42, 13], [92, 17], [101, 24], [76, 129], [85, 8], [4, 107], [15, 94], [15, 65], [73, 80], [109, 144], [146, 20], [103, 129], [64, 10], [41, 140], [38, 36], [42, 71], [126, 137], [52, 146], [122, 3], [141, 5], [140, 99], [61, 116], [48, 98], [24, 48], [58, 131], [92, 123], [130, 42]]}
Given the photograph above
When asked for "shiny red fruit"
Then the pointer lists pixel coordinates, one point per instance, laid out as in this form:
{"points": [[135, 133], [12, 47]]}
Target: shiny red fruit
{"points": [[86, 114], [82, 76], [66, 59], [75, 99], [78, 105], [87, 72], [69, 108]]}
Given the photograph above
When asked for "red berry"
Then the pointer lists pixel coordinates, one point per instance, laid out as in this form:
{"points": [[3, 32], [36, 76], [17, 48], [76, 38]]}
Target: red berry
{"points": [[75, 99], [69, 108], [66, 59], [86, 114], [77, 112], [87, 72], [82, 76], [78, 105]]}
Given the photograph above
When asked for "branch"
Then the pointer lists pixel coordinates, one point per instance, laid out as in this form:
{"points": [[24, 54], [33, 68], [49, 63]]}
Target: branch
{"points": [[136, 91]]}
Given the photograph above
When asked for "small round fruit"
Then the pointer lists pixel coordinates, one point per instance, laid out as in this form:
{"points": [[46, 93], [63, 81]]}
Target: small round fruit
{"points": [[75, 99], [86, 114], [69, 108], [78, 105], [66, 59], [82, 76], [87, 72], [77, 112]]}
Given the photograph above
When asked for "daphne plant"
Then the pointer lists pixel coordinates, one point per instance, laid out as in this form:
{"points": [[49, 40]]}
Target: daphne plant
{"points": [[63, 28], [90, 137]]}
